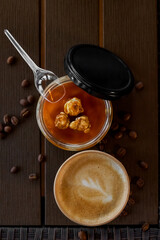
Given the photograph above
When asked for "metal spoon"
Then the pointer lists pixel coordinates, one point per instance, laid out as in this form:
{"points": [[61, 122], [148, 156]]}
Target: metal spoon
{"points": [[42, 77]]}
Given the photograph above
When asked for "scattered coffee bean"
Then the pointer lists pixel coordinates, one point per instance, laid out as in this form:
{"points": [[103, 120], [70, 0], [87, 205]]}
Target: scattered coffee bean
{"points": [[82, 235], [33, 176], [145, 227], [140, 182], [131, 201], [23, 102], [14, 120], [123, 129], [126, 116], [143, 164], [121, 152], [114, 126], [7, 129], [30, 99], [124, 213], [25, 113], [11, 60], [6, 119], [101, 146], [118, 135], [2, 135], [130, 194], [41, 158], [25, 83], [133, 134], [139, 85], [14, 169], [1, 127]]}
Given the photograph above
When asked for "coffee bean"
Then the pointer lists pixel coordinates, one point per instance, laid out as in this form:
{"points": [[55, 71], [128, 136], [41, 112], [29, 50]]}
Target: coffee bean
{"points": [[30, 99], [124, 213], [23, 102], [143, 164], [33, 176], [121, 152], [11, 60], [41, 158], [25, 113], [7, 129], [139, 85], [25, 83], [82, 235], [132, 134], [145, 227], [118, 135], [1, 127], [14, 120], [126, 116], [140, 182], [123, 129], [2, 135], [130, 194], [131, 201], [101, 146], [6, 119], [14, 169], [114, 126]]}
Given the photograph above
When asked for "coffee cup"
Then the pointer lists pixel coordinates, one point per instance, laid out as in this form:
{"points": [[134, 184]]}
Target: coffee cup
{"points": [[91, 188]]}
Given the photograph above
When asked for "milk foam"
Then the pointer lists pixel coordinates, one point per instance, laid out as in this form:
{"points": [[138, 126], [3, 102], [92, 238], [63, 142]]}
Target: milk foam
{"points": [[94, 184], [91, 189]]}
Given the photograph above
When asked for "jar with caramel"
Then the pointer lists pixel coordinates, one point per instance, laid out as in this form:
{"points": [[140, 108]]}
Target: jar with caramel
{"points": [[76, 112]]}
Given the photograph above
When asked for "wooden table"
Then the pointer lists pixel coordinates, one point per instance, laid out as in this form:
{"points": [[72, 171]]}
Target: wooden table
{"points": [[46, 30]]}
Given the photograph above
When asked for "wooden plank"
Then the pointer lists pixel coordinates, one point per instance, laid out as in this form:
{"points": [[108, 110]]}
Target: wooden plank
{"points": [[19, 198], [67, 23], [130, 31]]}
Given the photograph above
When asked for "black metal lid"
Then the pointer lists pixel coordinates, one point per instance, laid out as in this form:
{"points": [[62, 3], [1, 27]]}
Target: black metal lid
{"points": [[98, 71]]}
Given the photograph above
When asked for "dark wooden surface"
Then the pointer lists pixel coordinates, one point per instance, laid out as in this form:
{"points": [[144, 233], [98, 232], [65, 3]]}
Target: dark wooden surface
{"points": [[19, 198], [127, 28]]}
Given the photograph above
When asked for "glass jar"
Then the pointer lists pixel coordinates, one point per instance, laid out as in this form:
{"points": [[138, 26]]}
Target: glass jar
{"points": [[95, 76], [76, 140]]}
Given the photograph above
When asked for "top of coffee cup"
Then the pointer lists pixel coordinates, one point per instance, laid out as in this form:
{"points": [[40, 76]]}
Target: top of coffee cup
{"points": [[91, 188]]}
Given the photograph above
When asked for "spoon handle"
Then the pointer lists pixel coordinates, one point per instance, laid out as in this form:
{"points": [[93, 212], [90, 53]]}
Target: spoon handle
{"points": [[24, 55]]}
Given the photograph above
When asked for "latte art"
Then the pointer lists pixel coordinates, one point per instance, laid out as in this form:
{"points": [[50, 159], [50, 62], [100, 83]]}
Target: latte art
{"points": [[94, 185], [90, 188]]}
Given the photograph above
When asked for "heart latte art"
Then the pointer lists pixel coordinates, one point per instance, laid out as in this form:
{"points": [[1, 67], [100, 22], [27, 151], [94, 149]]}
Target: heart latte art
{"points": [[90, 188]]}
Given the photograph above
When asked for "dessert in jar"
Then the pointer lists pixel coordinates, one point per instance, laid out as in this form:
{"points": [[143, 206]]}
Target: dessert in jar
{"points": [[81, 114]]}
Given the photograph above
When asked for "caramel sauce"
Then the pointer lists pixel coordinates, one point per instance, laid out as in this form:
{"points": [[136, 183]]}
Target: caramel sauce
{"points": [[94, 108]]}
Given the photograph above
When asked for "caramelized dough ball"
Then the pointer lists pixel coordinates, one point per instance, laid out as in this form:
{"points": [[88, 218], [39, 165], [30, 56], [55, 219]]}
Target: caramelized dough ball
{"points": [[73, 107], [62, 121], [81, 124]]}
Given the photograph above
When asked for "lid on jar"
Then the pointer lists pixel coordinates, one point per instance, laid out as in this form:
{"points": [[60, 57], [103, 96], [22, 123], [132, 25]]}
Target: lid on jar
{"points": [[98, 71]]}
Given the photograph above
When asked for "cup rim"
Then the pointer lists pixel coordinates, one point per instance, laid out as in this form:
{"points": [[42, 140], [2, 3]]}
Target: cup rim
{"points": [[127, 190]]}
